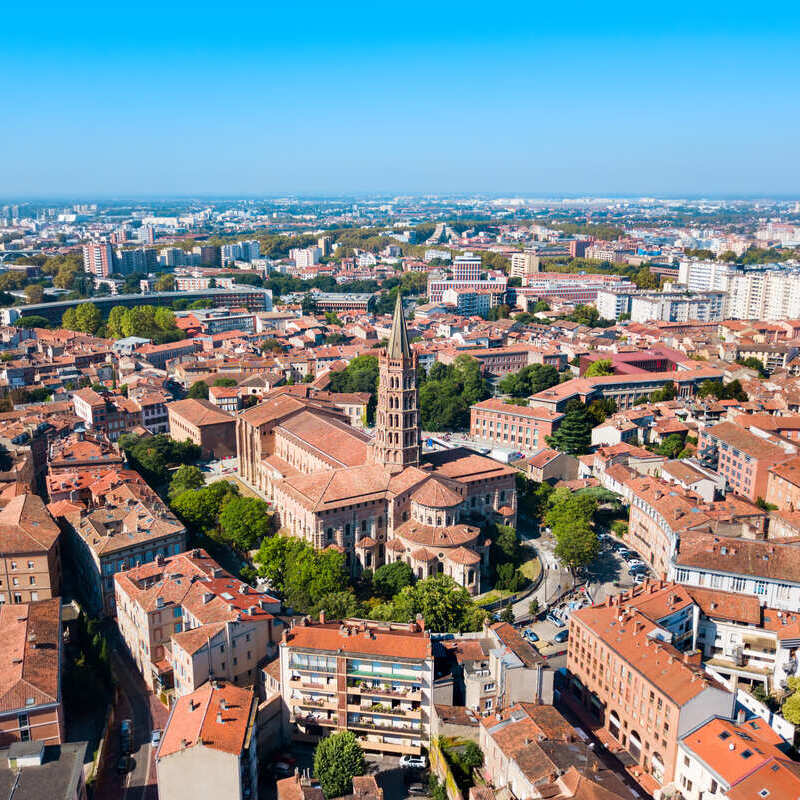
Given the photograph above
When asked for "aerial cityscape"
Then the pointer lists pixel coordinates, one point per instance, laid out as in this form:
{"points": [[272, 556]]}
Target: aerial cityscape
{"points": [[400, 404]]}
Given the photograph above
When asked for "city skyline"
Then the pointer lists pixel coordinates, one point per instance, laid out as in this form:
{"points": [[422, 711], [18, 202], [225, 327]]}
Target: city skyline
{"points": [[444, 99]]}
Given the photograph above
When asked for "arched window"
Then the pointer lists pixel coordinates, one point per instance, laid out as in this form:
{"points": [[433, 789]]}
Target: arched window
{"points": [[613, 724], [635, 746]]}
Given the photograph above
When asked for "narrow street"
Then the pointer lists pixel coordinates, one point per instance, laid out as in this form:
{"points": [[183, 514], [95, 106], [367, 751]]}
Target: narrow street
{"points": [[147, 714]]}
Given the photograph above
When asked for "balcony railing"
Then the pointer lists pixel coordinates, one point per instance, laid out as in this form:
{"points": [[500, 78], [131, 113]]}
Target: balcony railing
{"points": [[407, 729], [379, 708], [382, 690]]}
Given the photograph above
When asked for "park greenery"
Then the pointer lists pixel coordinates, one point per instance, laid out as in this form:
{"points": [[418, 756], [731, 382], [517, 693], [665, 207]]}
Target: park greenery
{"points": [[338, 758], [152, 456], [360, 375], [447, 391], [569, 516], [723, 391], [529, 380], [148, 322]]}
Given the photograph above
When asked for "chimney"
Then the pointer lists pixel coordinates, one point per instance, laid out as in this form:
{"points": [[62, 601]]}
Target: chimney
{"points": [[285, 636], [219, 717], [322, 617], [223, 705], [692, 657], [421, 622]]}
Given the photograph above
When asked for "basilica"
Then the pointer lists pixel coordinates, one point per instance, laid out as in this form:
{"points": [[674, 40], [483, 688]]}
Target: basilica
{"points": [[377, 499]]}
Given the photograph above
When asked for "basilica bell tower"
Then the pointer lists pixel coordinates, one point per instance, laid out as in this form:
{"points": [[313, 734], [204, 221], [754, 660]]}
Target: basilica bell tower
{"points": [[397, 434]]}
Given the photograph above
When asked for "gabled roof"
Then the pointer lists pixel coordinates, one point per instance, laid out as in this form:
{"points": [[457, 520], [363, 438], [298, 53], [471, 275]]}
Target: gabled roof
{"points": [[26, 526]]}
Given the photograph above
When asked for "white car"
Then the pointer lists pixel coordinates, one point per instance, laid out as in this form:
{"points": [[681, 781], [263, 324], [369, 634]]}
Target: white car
{"points": [[418, 762]]}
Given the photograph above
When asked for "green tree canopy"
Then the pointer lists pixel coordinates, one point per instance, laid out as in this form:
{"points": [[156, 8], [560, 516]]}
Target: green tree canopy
{"points": [[529, 380], [338, 758], [391, 579], [198, 391], [184, 478], [448, 391], [151, 455], [200, 509], [599, 368], [574, 434], [244, 522]]}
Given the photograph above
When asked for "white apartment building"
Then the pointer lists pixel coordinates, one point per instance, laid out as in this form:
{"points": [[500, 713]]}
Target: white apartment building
{"points": [[611, 303], [523, 264], [678, 307], [306, 256]]}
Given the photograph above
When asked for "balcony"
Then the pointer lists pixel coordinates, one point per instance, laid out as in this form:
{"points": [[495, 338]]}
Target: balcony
{"points": [[307, 685], [385, 710], [383, 676], [411, 693], [309, 702], [380, 725], [311, 719], [377, 743]]}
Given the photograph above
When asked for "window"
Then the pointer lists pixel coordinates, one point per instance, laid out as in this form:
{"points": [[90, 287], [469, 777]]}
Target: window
{"points": [[761, 587]]}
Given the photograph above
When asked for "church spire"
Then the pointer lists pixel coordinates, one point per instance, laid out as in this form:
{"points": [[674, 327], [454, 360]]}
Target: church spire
{"points": [[398, 346], [397, 433]]}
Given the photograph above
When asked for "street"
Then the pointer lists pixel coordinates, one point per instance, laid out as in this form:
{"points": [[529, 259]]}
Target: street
{"points": [[147, 713]]}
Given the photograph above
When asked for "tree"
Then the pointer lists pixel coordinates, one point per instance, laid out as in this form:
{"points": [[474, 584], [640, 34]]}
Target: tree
{"points": [[114, 323], [576, 545], [574, 434], [508, 578], [598, 368], [184, 479], [308, 304], [529, 380], [667, 392], [599, 410], [150, 456], [226, 382], [791, 706], [754, 363], [533, 607], [165, 282], [339, 605], [34, 293], [32, 321], [164, 319], [644, 279], [244, 522], [448, 391], [540, 306], [565, 508], [507, 615], [670, 446], [360, 375], [88, 318], [444, 605], [391, 579], [201, 508], [198, 391], [338, 758], [69, 319]]}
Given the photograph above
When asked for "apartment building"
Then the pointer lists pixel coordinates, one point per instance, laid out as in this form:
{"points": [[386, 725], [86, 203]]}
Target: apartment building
{"points": [[524, 264], [98, 259], [506, 425], [629, 675], [129, 524], [467, 267], [769, 570], [208, 748], [498, 669], [660, 512], [744, 643], [374, 679], [107, 414], [494, 361], [743, 457], [30, 663], [678, 306], [30, 552], [725, 759], [437, 286], [185, 621], [203, 423]]}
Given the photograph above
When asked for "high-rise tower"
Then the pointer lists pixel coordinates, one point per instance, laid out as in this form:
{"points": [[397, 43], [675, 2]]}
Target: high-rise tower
{"points": [[397, 435]]}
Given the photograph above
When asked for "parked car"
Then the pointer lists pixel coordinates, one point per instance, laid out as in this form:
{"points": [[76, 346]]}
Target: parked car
{"points": [[417, 762], [126, 736], [418, 789], [125, 764], [561, 637], [551, 617], [638, 568], [155, 738], [530, 635]]}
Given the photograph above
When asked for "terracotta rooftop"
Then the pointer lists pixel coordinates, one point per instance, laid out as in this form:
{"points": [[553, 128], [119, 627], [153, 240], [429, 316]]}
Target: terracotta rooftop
{"points": [[768, 559], [430, 536], [747, 442], [533, 412], [199, 412], [218, 715], [434, 494], [31, 654], [26, 526], [353, 640]]}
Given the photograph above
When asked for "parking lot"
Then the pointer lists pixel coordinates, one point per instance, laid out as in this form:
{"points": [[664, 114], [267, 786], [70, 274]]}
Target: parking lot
{"points": [[615, 569]]}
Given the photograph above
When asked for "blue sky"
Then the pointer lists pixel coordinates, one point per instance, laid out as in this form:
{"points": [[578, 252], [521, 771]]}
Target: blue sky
{"points": [[177, 98]]}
